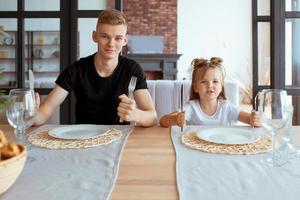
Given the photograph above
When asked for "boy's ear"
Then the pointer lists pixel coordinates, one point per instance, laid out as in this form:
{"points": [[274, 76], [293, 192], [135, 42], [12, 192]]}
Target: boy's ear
{"points": [[125, 40], [94, 36]]}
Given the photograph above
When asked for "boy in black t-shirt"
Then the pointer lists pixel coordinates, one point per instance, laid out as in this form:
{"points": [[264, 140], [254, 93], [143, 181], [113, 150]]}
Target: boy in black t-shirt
{"points": [[100, 81]]}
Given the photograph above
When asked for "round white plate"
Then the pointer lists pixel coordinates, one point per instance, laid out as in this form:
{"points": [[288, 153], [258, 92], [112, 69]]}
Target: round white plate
{"points": [[228, 135], [78, 132]]}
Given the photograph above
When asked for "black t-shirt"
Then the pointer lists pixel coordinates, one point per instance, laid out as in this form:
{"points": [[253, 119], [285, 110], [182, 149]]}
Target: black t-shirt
{"points": [[97, 97]]}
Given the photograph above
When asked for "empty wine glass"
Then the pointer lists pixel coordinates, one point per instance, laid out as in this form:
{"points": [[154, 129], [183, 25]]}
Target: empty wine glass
{"points": [[272, 105], [20, 112], [288, 136]]}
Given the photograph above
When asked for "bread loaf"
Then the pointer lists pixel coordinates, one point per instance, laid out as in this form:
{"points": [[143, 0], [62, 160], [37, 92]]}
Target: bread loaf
{"points": [[7, 149]]}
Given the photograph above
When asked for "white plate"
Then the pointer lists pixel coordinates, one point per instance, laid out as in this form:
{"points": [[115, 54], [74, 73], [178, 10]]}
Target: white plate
{"points": [[229, 135], [78, 132]]}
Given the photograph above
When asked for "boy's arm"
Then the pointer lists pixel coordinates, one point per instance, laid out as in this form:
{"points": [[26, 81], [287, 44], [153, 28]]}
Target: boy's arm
{"points": [[49, 105], [140, 109], [146, 113]]}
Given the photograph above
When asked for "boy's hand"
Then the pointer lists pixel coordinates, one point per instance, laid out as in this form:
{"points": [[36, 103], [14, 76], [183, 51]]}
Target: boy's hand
{"points": [[126, 108], [255, 118]]}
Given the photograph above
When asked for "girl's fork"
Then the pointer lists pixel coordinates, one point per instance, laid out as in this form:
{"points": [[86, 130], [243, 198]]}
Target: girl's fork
{"points": [[131, 88]]}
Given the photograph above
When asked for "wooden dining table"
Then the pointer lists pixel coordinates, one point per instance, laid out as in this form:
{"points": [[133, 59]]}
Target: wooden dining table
{"points": [[147, 167], [148, 164]]}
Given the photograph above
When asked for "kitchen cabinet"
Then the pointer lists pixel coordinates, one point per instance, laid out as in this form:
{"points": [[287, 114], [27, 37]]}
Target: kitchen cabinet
{"points": [[7, 57], [42, 55]]}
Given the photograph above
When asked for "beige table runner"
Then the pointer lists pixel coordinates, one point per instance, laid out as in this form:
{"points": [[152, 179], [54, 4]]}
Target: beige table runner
{"points": [[211, 176], [88, 173]]}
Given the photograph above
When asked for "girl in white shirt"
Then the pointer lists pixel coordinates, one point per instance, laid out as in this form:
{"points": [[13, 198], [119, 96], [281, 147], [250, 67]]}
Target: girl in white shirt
{"points": [[208, 104]]}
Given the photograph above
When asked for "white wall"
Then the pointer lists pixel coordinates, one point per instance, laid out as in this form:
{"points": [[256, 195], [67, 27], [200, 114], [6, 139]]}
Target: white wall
{"points": [[221, 28]]}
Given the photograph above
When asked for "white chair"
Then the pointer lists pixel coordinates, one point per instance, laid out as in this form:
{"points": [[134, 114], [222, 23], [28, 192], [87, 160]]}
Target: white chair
{"points": [[165, 94]]}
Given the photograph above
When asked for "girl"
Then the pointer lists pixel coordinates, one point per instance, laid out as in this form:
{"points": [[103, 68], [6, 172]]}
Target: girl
{"points": [[208, 104]]}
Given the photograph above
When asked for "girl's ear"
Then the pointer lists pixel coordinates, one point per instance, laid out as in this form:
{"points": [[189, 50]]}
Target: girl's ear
{"points": [[195, 87]]}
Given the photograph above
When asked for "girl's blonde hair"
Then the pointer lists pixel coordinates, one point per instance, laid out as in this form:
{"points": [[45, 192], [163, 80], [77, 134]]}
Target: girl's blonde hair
{"points": [[202, 65]]}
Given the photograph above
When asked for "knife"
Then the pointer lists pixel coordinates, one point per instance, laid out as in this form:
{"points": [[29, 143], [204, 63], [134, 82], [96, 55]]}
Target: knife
{"points": [[181, 102], [31, 79]]}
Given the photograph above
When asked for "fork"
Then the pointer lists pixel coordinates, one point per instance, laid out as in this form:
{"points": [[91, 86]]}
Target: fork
{"points": [[131, 88]]}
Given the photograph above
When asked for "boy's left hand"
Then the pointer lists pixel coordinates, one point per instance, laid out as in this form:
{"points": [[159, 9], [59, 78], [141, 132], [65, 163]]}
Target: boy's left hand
{"points": [[127, 108]]}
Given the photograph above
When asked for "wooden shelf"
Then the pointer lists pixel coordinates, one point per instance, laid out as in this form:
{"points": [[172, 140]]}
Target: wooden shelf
{"points": [[40, 45], [8, 45], [51, 58], [12, 59]]}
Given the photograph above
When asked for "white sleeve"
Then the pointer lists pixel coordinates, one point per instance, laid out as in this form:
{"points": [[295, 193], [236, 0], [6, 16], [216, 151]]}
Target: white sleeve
{"points": [[188, 111], [234, 112]]}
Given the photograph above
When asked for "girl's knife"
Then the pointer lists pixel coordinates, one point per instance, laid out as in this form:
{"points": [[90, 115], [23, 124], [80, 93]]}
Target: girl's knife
{"points": [[181, 102]]}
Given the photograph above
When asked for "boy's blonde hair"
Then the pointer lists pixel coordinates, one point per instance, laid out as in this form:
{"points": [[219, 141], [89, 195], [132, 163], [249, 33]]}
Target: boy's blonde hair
{"points": [[202, 65], [112, 17]]}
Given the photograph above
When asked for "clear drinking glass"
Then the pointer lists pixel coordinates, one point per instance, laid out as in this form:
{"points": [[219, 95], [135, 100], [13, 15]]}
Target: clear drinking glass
{"points": [[21, 111], [288, 137], [273, 109]]}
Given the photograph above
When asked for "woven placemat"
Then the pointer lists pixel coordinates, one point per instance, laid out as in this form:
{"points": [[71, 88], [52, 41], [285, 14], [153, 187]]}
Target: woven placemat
{"points": [[42, 139], [261, 146]]}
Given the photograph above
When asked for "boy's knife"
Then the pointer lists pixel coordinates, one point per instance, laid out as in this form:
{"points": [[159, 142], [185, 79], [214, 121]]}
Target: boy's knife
{"points": [[31, 79]]}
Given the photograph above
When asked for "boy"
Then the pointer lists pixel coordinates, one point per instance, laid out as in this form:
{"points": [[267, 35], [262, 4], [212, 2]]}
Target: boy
{"points": [[100, 81]]}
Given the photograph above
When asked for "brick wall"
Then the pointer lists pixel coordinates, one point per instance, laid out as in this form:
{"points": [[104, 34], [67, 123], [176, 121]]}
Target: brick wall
{"points": [[153, 17]]}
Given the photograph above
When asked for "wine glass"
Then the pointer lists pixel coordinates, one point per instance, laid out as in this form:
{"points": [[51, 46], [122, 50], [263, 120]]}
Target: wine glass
{"points": [[20, 112], [288, 136], [273, 109]]}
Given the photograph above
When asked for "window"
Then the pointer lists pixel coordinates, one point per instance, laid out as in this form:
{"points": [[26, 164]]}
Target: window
{"points": [[276, 48]]}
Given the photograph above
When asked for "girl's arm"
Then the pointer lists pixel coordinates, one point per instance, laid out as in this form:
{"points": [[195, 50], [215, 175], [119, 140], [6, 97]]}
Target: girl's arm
{"points": [[252, 118], [174, 118]]}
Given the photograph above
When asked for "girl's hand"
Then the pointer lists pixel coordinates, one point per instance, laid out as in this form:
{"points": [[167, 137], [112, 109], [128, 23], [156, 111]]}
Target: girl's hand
{"points": [[180, 119], [255, 118]]}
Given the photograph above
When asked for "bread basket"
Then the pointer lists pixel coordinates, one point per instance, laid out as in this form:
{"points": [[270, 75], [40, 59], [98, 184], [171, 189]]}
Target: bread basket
{"points": [[10, 169]]}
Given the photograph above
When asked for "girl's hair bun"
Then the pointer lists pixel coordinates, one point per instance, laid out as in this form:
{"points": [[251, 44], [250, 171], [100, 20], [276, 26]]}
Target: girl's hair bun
{"points": [[199, 62], [216, 61]]}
